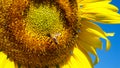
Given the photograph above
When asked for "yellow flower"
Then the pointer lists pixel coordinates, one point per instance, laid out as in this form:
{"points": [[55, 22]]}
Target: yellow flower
{"points": [[53, 33]]}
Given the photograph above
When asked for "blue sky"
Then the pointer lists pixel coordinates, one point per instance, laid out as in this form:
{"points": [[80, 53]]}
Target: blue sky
{"points": [[111, 58]]}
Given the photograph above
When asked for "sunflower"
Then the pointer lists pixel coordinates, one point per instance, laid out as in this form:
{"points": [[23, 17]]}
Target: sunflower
{"points": [[53, 33]]}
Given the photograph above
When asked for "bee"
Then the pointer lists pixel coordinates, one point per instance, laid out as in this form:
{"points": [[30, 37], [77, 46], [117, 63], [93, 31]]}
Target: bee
{"points": [[54, 37]]}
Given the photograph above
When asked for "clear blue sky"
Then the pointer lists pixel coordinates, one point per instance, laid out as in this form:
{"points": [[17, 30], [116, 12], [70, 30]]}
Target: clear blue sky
{"points": [[111, 58]]}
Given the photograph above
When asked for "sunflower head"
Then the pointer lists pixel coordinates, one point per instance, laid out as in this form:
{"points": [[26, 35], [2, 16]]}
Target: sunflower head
{"points": [[53, 33], [36, 34]]}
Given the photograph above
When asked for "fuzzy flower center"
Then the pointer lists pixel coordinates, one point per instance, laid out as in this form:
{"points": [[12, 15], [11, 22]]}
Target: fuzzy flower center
{"points": [[43, 21], [39, 36]]}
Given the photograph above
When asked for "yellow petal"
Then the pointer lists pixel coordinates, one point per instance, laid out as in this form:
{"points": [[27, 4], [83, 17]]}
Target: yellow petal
{"points": [[110, 34], [100, 11], [9, 64], [3, 58], [90, 40], [4, 62], [79, 59], [90, 1], [86, 24], [98, 5], [90, 49], [82, 58], [74, 63], [97, 33], [95, 30]]}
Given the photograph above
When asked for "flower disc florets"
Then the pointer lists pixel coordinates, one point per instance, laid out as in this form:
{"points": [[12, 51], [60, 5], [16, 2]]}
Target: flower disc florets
{"points": [[38, 34]]}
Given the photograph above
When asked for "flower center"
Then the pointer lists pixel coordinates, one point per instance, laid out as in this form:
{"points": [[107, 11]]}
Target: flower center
{"points": [[43, 21], [38, 36]]}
